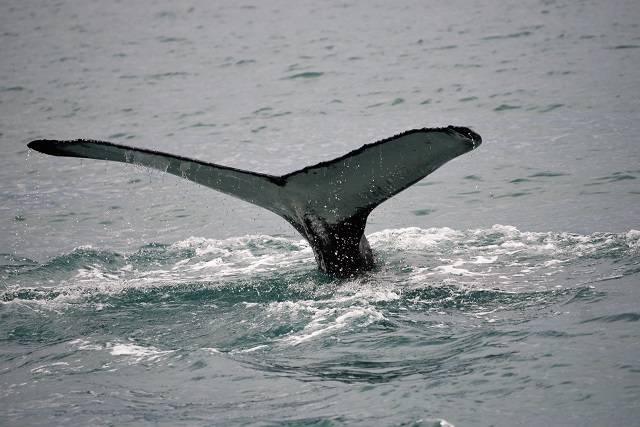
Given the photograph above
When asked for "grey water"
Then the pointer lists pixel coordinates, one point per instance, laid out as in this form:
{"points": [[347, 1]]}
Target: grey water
{"points": [[507, 291]]}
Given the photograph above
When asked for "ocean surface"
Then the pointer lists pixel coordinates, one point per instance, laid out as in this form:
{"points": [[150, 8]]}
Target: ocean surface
{"points": [[507, 291]]}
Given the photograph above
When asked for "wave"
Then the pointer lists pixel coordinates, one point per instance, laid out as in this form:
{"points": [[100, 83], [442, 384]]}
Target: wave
{"points": [[430, 276], [442, 303], [499, 258]]}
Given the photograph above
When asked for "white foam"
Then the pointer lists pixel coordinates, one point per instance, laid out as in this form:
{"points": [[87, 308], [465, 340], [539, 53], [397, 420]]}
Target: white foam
{"points": [[325, 321], [137, 353], [413, 238], [46, 369], [351, 305], [485, 260], [500, 256], [455, 270], [252, 349], [85, 345], [243, 255]]}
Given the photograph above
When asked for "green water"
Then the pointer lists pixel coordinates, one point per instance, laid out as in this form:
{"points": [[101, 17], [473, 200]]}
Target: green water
{"points": [[243, 331]]}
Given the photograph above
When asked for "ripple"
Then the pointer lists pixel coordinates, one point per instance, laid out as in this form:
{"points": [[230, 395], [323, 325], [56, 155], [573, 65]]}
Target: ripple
{"points": [[306, 75]]}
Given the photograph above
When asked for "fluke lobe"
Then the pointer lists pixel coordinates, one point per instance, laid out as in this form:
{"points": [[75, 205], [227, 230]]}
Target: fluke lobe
{"points": [[327, 203]]}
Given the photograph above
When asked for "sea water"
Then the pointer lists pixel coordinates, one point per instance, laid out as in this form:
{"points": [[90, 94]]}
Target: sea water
{"points": [[506, 291]]}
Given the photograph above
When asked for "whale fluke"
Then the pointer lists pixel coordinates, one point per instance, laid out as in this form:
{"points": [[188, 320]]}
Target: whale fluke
{"points": [[327, 203]]}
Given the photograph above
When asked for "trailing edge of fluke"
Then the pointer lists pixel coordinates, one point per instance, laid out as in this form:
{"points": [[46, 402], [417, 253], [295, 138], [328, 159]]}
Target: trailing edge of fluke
{"points": [[327, 203]]}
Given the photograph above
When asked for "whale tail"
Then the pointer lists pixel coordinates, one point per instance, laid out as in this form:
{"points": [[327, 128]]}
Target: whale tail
{"points": [[327, 203]]}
